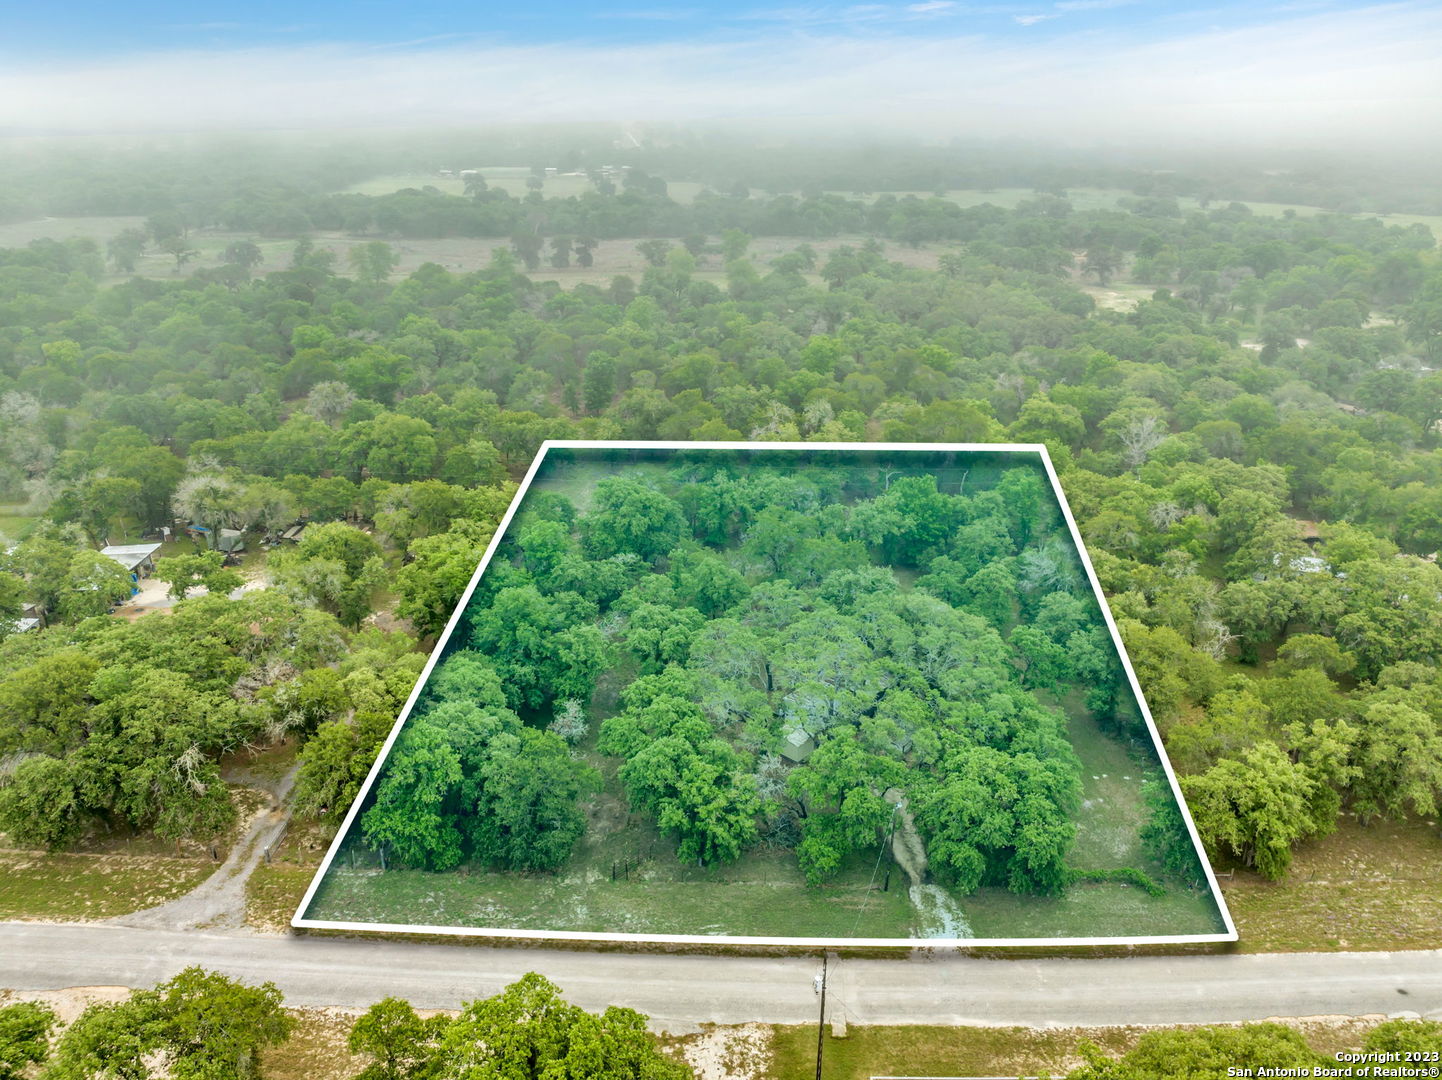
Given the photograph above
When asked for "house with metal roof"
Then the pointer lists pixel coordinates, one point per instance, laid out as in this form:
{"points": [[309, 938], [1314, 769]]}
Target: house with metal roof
{"points": [[139, 559]]}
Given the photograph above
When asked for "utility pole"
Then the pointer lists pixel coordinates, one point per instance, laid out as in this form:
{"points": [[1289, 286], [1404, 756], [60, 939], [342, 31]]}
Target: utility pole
{"points": [[890, 836], [821, 1020]]}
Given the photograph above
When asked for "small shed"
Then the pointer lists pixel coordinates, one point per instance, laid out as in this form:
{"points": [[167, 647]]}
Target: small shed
{"points": [[231, 540], [27, 624], [293, 534], [139, 559], [797, 746]]}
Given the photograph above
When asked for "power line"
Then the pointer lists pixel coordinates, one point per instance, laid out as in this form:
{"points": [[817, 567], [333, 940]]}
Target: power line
{"points": [[870, 884]]}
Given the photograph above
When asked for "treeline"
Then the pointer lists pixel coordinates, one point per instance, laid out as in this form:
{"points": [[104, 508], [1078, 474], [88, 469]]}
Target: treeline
{"points": [[205, 1024], [196, 177], [755, 610]]}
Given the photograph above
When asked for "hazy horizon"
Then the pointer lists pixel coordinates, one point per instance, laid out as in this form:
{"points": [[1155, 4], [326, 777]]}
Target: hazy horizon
{"points": [[1078, 72]]}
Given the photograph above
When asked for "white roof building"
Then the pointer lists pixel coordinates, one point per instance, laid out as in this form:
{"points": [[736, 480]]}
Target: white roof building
{"points": [[132, 556]]}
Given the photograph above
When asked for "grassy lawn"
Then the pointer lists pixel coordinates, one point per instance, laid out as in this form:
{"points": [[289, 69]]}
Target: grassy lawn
{"points": [[14, 524], [1361, 888], [316, 1049], [761, 895], [273, 893], [70, 887], [936, 1051]]}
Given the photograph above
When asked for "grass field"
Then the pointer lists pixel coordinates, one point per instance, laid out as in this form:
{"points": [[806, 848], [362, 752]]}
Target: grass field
{"points": [[71, 887], [1362, 888], [510, 180], [273, 893], [763, 894], [316, 1049], [14, 524], [611, 257]]}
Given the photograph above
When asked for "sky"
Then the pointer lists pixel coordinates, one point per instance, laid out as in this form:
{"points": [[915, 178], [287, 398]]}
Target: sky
{"points": [[1069, 69]]}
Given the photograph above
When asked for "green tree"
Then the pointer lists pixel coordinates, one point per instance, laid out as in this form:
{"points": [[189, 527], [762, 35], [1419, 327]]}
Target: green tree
{"points": [[440, 568], [409, 822], [401, 1045], [1405, 1036], [196, 1026], [25, 1030], [1257, 806], [334, 762], [92, 585], [242, 253], [100, 504], [1103, 263], [204, 570], [631, 517], [654, 251], [336, 566], [373, 261], [44, 705], [208, 500], [531, 784], [529, 1032], [125, 248], [1399, 762], [1165, 834], [1205, 1053], [43, 805], [12, 601], [178, 247], [541, 650], [695, 787]]}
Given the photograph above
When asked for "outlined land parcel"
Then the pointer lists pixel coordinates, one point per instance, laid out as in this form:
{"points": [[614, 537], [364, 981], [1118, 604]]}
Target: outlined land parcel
{"points": [[777, 693]]}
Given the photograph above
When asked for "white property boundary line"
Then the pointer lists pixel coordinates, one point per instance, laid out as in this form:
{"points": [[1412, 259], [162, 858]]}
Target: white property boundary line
{"points": [[298, 921]]}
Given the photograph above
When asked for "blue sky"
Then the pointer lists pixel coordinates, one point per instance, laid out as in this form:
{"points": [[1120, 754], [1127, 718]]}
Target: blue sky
{"points": [[95, 29], [1293, 70]]}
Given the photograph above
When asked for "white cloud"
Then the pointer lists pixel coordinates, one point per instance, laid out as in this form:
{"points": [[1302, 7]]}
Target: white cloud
{"points": [[1363, 72], [1091, 5], [931, 7], [1032, 20]]}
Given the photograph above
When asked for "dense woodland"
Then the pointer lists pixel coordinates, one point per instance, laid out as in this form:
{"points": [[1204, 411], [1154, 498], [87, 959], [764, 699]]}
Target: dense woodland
{"points": [[752, 602], [1252, 453]]}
